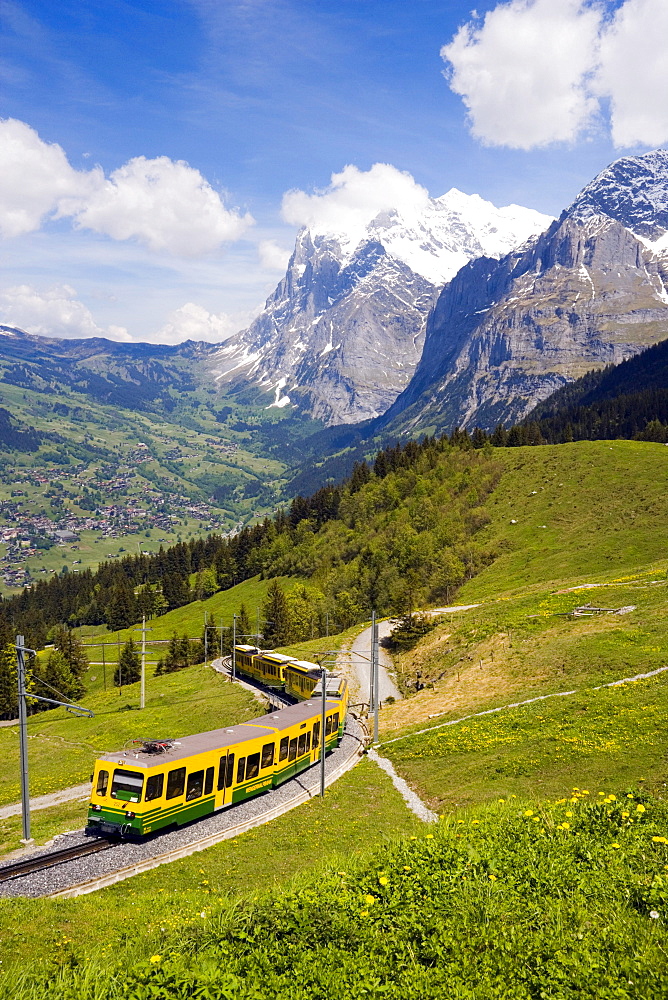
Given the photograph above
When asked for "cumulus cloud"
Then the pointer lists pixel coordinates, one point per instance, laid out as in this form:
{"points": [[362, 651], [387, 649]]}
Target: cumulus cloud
{"points": [[166, 205], [534, 72], [54, 312], [634, 73], [272, 256], [522, 71], [355, 197], [193, 322]]}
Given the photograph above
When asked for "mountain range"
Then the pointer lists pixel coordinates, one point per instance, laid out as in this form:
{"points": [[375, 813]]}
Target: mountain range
{"points": [[459, 314], [344, 330]]}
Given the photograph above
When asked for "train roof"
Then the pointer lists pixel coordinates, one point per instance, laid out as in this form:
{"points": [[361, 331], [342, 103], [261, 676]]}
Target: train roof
{"points": [[305, 666], [219, 739], [275, 657]]}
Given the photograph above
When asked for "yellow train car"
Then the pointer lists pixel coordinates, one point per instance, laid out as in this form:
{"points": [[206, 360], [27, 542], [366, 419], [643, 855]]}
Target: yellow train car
{"points": [[301, 677], [263, 665], [137, 792]]}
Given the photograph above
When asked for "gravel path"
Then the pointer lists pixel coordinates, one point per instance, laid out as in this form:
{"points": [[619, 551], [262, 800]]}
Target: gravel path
{"points": [[67, 875], [45, 801], [413, 801], [360, 653]]}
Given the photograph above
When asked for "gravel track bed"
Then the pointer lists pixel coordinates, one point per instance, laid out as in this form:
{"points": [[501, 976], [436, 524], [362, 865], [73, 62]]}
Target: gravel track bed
{"points": [[72, 873]]}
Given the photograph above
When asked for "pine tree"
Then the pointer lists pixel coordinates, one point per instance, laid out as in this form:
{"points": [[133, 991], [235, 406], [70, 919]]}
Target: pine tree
{"points": [[70, 645], [122, 606], [244, 626], [128, 670], [277, 619], [9, 706], [60, 677]]}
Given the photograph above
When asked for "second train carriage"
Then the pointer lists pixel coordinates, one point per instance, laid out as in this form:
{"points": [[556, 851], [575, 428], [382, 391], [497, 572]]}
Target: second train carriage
{"points": [[298, 678], [138, 792]]}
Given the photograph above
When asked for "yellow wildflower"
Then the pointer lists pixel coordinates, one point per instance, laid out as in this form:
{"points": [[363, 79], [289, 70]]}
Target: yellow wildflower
{"points": [[364, 913], [565, 826], [569, 813], [369, 899], [155, 958], [625, 815], [529, 812], [640, 808], [615, 846], [384, 880]]}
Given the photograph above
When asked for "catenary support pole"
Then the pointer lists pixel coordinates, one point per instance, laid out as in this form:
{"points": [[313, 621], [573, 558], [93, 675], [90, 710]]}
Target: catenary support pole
{"points": [[206, 639], [23, 738], [372, 669], [234, 647], [142, 691], [376, 679], [323, 720]]}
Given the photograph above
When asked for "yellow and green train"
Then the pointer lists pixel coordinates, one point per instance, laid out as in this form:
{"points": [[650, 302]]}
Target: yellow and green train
{"points": [[137, 792], [298, 678]]}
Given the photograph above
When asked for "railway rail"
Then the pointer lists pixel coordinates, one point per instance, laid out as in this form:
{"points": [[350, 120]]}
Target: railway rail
{"points": [[28, 866]]}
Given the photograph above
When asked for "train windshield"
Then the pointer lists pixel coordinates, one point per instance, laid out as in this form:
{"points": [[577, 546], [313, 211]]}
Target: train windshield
{"points": [[127, 785]]}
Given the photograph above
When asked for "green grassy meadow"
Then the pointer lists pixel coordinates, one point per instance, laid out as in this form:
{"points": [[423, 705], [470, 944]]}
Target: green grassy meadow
{"points": [[585, 510]]}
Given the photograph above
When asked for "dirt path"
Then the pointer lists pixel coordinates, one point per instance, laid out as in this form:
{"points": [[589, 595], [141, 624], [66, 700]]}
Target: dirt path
{"points": [[46, 801], [358, 656]]}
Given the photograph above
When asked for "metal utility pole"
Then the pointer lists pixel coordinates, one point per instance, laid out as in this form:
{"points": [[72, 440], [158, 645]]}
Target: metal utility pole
{"points": [[257, 634], [206, 638], [142, 687], [234, 647], [21, 650], [372, 670], [23, 739], [376, 691], [323, 720], [104, 666]]}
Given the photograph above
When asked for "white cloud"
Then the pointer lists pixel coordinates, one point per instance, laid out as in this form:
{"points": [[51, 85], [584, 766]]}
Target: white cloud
{"points": [[522, 71], [34, 176], [534, 72], [272, 256], [355, 197], [634, 73], [166, 205], [193, 322], [53, 312]]}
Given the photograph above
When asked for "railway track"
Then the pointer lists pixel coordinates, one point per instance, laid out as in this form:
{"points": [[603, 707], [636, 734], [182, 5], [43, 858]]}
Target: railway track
{"points": [[28, 866]]}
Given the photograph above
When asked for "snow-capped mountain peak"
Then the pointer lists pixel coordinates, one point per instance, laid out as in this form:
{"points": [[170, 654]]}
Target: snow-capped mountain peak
{"points": [[344, 329]]}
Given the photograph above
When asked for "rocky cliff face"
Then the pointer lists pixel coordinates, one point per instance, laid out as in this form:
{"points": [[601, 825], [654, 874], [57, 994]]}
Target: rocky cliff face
{"points": [[589, 291], [344, 330]]}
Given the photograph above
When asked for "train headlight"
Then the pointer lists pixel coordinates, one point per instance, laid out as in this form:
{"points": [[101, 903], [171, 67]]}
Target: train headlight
{"points": [[130, 815], [96, 807]]}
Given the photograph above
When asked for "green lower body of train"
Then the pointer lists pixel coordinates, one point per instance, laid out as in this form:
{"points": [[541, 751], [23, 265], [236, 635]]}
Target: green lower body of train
{"points": [[109, 820]]}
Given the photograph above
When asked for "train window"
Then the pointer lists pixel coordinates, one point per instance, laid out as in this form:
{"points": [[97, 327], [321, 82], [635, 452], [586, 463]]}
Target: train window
{"points": [[102, 782], [253, 766], [241, 767], [328, 725], [154, 787], [195, 786], [221, 773], [308, 742], [302, 745], [283, 752], [127, 785], [176, 781], [267, 755], [335, 722], [229, 777], [208, 784], [316, 734], [293, 749]]}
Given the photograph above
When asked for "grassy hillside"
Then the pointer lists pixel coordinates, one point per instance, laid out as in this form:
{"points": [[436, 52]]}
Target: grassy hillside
{"points": [[188, 620], [582, 510]]}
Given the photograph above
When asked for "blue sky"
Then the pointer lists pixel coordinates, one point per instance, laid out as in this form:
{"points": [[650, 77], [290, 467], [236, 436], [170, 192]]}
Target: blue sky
{"points": [[259, 97]]}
